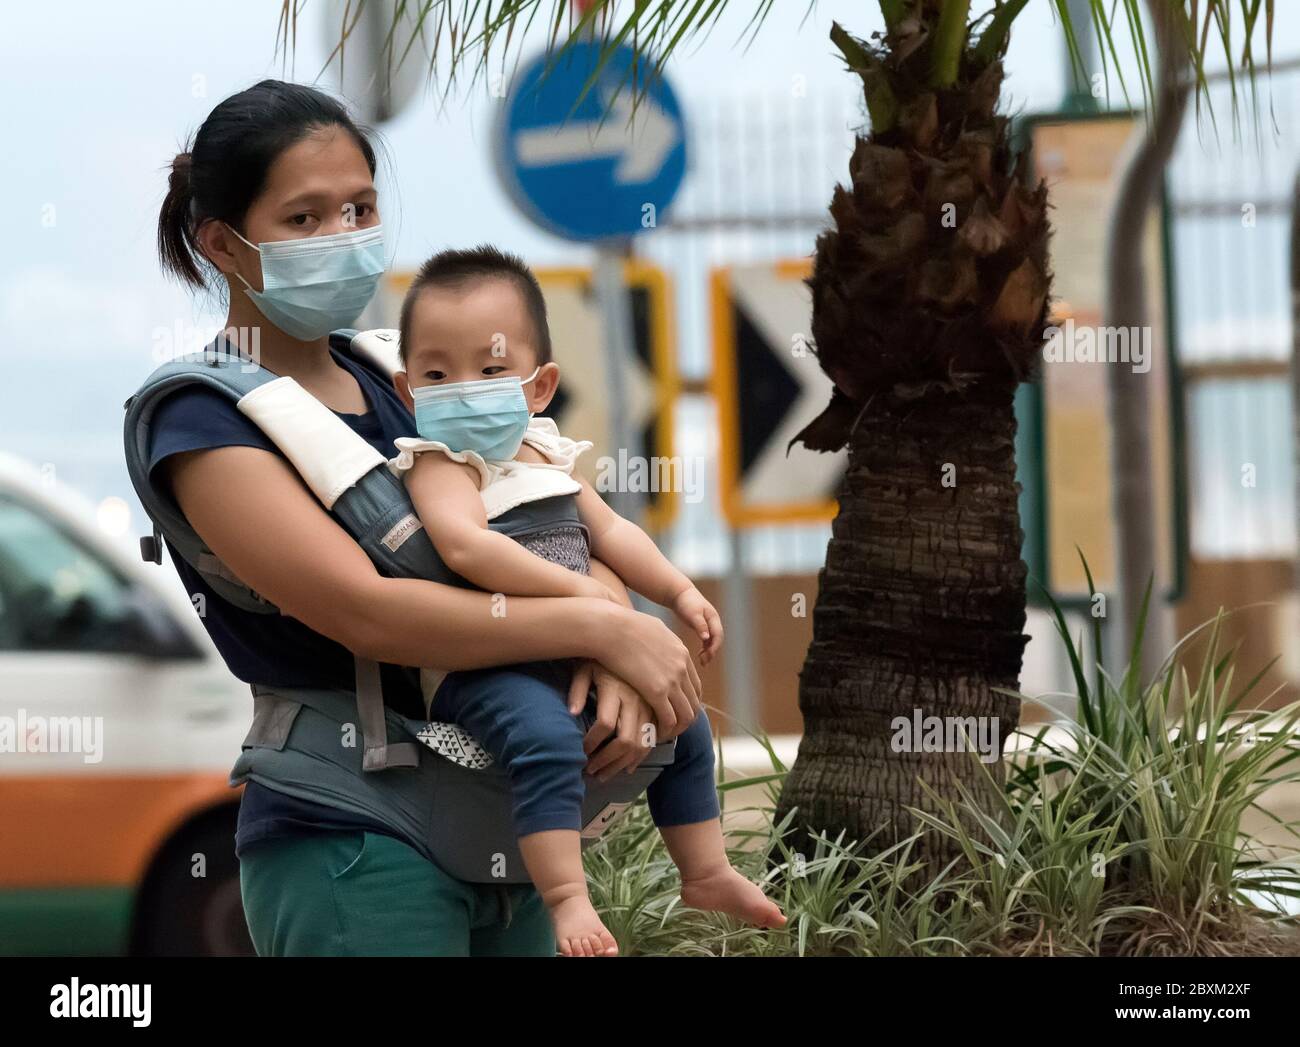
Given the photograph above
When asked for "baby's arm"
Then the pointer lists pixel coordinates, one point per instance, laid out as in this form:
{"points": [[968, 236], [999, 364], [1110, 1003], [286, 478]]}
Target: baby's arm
{"points": [[446, 497], [634, 557]]}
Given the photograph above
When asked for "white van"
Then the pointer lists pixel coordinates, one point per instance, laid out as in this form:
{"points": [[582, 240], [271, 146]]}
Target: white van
{"points": [[118, 726]]}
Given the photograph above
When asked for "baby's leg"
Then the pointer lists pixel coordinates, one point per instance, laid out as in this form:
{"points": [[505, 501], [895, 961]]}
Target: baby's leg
{"points": [[519, 715], [684, 805]]}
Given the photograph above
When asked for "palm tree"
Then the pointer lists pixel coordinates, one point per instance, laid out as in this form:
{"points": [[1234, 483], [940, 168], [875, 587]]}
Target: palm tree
{"points": [[930, 294]]}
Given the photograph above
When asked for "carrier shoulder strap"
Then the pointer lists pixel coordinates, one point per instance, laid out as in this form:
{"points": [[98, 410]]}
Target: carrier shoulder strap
{"points": [[218, 368], [329, 456], [328, 469], [376, 350]]}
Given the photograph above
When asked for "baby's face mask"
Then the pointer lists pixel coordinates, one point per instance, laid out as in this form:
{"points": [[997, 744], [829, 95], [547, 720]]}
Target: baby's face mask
{"points": [[488, 417]]}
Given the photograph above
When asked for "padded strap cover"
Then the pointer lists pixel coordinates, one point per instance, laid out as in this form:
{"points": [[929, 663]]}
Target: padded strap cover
{"points": [[329, 455]]}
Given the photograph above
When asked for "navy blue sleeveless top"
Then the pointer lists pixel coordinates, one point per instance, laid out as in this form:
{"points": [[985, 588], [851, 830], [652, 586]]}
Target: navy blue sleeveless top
{"points": [[277, 649]]}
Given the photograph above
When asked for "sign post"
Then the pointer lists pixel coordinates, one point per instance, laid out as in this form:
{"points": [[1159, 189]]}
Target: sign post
{"points": [[616, 313], [767, 384], [593, 150]]}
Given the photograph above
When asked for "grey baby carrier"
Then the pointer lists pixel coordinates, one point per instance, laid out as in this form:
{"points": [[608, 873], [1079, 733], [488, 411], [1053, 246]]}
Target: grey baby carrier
{"points": [[431, 783]]}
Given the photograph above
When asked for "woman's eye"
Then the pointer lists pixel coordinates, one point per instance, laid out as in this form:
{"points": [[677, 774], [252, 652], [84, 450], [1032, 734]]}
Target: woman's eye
{"points": [[300, 219], [363, 210], [493, 370], [435, 376]]}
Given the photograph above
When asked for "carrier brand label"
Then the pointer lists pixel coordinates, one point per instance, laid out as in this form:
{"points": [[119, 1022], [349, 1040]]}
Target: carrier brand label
{"points": [[607, 816], [402, 530]]}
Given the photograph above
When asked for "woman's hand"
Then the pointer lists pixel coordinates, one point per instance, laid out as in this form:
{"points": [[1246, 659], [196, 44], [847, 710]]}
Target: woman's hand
{"points": [[639, 649], [620, 712]]}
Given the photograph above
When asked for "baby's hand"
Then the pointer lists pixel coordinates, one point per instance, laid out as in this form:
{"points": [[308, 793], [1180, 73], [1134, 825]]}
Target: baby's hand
{"points": [[693, 609]]}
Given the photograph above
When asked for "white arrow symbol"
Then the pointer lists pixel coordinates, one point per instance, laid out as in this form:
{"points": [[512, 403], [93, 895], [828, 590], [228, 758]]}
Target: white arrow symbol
{"points": [[642, 145]]}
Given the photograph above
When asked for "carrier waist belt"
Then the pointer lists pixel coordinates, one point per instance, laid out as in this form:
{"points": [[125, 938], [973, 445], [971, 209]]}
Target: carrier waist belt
{"points": [[307, 743]]}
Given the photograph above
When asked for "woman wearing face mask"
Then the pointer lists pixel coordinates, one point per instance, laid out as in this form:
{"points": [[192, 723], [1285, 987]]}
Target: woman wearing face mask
{"points": [[276, 201]]}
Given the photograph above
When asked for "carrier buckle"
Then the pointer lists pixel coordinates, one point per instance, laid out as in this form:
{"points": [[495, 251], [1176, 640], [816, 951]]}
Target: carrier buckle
{"points": [[151, 547]]}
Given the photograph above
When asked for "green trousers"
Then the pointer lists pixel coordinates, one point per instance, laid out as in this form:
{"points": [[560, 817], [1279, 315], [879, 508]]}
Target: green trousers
{"points": [[365, 894]]}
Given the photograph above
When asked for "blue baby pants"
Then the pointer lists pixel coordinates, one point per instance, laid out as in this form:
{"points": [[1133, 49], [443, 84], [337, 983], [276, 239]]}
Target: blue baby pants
{"points": [[519, 713]]}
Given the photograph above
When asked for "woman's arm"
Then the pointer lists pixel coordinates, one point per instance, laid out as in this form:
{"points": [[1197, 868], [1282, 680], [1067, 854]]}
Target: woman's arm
{"points": [[446, 497], [254, 513]]}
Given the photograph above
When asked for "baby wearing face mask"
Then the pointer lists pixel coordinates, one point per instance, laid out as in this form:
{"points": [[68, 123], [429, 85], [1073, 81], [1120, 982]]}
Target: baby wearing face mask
{"points": [[476, 351]]}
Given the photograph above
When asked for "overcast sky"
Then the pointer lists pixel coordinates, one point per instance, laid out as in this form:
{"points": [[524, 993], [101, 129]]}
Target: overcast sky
{"points": [[100, 96]]}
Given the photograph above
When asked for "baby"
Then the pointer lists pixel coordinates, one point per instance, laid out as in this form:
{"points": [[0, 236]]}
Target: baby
{"points": [[477, 355]]}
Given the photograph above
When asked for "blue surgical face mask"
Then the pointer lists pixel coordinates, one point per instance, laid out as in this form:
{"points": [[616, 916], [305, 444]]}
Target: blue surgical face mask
{"points": [[318, 284], [488, 417]]}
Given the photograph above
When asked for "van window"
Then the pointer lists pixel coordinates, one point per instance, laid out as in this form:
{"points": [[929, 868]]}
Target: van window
{"points": [[55, 594]]}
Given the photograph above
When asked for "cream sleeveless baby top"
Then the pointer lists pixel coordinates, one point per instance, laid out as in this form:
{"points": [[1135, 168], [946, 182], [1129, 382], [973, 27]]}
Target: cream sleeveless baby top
{"points": [[504, 485]]}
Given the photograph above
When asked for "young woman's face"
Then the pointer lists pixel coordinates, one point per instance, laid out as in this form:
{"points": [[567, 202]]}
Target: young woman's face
{"points": [[320, 185]]}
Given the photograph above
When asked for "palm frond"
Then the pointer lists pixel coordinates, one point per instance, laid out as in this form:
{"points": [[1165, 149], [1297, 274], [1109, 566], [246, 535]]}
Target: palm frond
{"points": [[463, 35]]}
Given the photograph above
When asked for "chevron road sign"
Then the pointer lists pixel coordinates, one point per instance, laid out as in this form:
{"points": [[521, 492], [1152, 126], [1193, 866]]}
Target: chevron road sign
{"points": [[769, 386]]}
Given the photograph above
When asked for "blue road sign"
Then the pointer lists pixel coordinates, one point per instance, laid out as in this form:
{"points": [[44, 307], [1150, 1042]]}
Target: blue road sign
{"points": [[579, 168]]}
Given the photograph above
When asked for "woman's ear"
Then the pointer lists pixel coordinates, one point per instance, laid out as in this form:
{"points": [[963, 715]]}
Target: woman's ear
{"points": [[542, 388], [403, 388], [224, 250]]}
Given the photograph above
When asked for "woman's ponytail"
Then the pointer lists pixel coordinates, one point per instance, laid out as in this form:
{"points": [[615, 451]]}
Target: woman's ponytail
{"points": [[177, 246]]}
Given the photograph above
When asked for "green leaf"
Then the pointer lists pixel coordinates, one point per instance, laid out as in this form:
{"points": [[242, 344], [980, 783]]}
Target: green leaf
{"points": [[994, 37], [882, 106], [947, 42]]}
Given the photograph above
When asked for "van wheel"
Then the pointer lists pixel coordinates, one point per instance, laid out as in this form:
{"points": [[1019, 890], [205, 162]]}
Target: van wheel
{"points": [[181, 914]]}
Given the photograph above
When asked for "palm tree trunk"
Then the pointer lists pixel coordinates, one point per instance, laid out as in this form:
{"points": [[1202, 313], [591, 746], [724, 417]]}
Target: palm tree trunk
{"points": [[921, 607], [929, 306]]}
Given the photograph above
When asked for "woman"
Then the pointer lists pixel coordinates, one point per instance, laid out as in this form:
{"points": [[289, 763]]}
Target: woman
{"points": [[276, 198]]}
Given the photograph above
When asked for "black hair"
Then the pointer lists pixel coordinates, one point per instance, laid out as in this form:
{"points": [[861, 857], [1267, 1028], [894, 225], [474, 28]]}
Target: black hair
{"points": [[458, 267], [222, 172]]}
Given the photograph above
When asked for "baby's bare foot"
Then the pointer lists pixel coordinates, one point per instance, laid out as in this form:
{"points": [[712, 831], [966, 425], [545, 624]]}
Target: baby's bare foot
{"points": [[725, 890], [578, 930]]}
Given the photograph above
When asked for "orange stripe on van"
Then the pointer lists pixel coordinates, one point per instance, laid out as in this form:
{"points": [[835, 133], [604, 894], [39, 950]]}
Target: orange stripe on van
{"points": [[80, 830]]}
